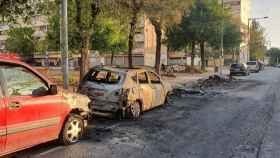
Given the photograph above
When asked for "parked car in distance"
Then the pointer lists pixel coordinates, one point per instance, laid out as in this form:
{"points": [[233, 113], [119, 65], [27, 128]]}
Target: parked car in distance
{"points": [[123, 92], [253, 66], [33, 110], [239, 69]]}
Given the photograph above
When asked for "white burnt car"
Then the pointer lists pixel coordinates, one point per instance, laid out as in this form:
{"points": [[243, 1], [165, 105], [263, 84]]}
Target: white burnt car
{"points": [[123, 92]]}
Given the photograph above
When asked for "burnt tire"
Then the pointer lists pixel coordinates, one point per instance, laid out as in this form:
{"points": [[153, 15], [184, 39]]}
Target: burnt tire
{"points": [[167, 99], [134, 110], [72, 130]]}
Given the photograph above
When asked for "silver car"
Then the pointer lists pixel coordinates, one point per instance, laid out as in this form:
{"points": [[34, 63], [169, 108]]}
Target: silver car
{"points": [[253, 66], [123, 92]]}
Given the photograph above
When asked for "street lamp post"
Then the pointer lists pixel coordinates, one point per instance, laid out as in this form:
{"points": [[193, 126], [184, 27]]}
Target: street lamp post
{"points": [[249, 32], [64, 43], [222, 41]]}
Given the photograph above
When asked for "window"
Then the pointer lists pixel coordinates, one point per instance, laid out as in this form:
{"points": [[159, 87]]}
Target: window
{"points": [[134, 78], [22, 82], [100, 76], [142, 78], [107, 77], [154, 78]]}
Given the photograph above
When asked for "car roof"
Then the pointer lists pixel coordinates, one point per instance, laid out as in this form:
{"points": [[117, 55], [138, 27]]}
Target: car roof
{"points": [[123, 69]]}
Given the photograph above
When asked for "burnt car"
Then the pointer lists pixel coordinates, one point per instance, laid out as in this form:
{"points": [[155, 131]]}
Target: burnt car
{"points": [[123, 92], [239, 69]]}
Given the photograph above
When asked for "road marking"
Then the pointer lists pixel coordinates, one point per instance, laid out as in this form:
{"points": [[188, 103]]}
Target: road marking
{"points": [[49, 151]]}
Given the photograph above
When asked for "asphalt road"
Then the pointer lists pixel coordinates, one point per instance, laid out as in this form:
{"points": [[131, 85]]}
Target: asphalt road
{"points": [[232, 123]]}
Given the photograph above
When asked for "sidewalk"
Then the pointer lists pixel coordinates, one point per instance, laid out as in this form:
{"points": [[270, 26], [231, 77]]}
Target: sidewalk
{"points": [[185, 78]]}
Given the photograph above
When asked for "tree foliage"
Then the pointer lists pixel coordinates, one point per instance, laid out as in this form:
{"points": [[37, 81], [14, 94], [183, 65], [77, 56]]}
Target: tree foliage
{"points": [[203, 25], [21, 41], [109, 36], [133, 9], [12, 10], [257, 41], [274, 54]]}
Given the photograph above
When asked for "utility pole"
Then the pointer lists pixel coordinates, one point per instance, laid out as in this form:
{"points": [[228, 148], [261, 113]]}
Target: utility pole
{"points": [[64, 43], [222, 41]]}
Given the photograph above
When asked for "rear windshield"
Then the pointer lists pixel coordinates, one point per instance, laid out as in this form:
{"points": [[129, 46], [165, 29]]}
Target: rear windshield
{"points": [[236, 65], [252, 63], [103, 76]]}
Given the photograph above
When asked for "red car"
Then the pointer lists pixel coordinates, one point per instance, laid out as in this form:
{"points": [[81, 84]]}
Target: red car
{"points": [[33, 111]]}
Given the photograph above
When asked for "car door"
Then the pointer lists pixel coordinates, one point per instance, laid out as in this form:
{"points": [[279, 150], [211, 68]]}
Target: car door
{"points": [[32, 115], [146, 90], [157, 87]]}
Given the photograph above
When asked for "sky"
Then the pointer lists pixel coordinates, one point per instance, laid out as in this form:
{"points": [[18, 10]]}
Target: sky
{"points": [[270, 8]]}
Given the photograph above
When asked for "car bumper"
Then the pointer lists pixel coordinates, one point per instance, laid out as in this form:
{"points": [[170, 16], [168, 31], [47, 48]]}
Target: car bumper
{"points": [[104, 108], [100, 113], [238, 72], [254, 70]]}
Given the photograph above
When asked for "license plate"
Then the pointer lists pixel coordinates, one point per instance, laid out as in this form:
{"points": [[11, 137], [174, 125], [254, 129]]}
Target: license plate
{"points": [[98, 94]]}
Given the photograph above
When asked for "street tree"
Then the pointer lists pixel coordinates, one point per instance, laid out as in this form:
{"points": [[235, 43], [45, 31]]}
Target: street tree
{"points": [[84, 14], [190, 39], [133, 9], [162, 14], [205, 18], [257, 41], [232, 37], [21, 41], [175, 40], [274, 54], [110, 36]]}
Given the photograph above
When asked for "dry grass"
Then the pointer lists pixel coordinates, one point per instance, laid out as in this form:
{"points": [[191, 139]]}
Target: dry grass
{"points": [[56, 76]]}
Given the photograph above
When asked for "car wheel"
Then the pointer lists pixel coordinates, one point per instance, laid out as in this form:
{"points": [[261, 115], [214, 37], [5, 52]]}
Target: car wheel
{"points": [[167, 99], [73, 130], [134, 110]]}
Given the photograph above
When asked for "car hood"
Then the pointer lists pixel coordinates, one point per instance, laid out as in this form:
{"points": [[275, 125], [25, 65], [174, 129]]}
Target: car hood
{"points": [[75, 100]]}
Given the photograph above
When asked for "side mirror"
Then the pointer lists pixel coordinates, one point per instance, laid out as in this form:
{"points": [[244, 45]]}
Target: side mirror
{"points": [[53, 90]]}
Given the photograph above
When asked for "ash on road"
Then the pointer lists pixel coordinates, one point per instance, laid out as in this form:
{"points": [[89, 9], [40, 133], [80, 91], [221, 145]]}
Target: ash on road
{"points": [[230, 124]]}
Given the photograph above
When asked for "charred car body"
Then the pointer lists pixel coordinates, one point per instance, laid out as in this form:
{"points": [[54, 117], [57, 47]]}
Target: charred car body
{"points": [[123, 92]]}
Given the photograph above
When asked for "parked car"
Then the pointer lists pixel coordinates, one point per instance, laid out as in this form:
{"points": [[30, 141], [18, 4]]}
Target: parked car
{"points": [[239, 69], [123, 92], [33, 110], [253, 66]]}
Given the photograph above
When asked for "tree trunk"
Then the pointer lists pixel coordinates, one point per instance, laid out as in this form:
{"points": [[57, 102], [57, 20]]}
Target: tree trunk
{"points": [[112, 58], [84, 57], [85, 32], [168, 52], [202, 54], [158, 45], [193, 54], [186, 56], [132, 31]]}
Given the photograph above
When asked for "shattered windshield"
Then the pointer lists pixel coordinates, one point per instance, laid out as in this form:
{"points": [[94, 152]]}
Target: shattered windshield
{"points": [[105, 77]]}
